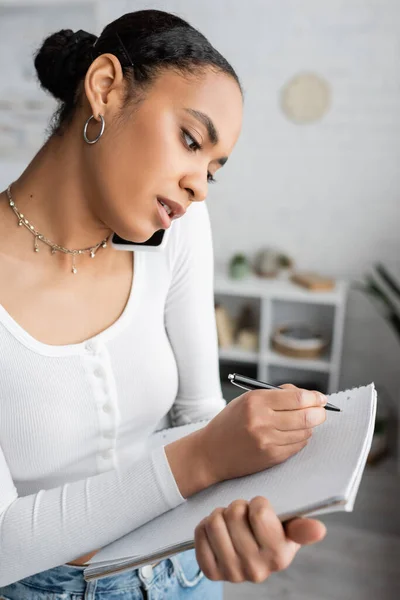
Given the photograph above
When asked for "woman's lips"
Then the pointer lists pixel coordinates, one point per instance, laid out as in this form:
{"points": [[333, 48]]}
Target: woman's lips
{"points": [[176, 210], [164, 217]]}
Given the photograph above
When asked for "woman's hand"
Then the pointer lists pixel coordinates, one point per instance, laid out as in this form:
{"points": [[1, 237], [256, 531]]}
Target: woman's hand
{"points": [[260, 429], [255, 431], [247, 542]]}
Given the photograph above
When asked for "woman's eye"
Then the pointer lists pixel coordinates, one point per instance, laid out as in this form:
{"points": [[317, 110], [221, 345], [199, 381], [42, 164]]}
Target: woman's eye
{"points": [[193, 146], [190, 141]]}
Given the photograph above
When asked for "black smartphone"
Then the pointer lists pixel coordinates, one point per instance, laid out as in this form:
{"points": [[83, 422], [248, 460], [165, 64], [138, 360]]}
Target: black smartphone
{"points": [[155, 243]]}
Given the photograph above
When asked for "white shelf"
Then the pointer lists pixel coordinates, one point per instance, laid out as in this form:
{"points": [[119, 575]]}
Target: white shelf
{"points": [[253, 286], [322, 364], [275, 359], [235, 353], [274, 300]]}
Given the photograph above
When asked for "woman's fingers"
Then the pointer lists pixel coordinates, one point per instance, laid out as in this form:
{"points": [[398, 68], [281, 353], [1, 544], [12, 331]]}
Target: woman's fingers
{"points": [[227, 560], [292, 398], [275, 546], [305, 531], [247, 542], [299, 419], [204, 553], [244, 542], [285, 438], [253, 565]]}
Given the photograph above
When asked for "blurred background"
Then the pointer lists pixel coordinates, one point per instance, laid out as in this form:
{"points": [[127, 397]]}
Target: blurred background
{"points": [[306, 223]]}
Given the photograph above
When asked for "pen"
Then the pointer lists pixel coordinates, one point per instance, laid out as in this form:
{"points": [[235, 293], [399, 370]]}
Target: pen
{"points": [[246, 383]]}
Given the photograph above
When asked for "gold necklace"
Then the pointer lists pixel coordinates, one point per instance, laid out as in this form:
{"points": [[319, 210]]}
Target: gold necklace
{"points": [[23, 221]]}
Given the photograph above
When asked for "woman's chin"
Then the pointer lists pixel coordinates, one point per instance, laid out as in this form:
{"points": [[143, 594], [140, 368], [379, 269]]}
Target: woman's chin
{"points": [[138, 236]]}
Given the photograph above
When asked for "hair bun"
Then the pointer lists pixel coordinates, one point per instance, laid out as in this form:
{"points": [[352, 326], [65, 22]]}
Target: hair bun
{"points": [[62, 60]]}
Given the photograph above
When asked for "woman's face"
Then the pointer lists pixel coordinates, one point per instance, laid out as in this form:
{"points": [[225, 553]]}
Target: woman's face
{"points": [[170, 145]]}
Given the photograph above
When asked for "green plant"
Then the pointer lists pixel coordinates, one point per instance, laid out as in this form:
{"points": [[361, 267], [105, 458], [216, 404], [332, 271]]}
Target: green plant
{"points": [[284, 261], [239, 258]]}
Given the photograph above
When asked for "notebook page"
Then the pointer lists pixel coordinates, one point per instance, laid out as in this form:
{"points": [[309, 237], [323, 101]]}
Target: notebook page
{"points": [[327, 467], [354, 484]]}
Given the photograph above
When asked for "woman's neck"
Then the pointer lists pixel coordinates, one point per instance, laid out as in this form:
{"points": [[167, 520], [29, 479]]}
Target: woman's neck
{"points": [[53, 194]]}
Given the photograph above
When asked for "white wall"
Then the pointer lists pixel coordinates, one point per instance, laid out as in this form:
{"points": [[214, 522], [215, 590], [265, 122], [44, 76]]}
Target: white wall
{"points": [[327, 193]]}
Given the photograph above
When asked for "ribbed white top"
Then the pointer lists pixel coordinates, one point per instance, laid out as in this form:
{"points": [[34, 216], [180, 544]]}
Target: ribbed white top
{"points": [[75, 472]]}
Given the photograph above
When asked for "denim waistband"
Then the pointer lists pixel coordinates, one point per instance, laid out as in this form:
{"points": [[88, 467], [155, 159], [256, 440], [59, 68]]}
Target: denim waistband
{"points": [[69, 578]]}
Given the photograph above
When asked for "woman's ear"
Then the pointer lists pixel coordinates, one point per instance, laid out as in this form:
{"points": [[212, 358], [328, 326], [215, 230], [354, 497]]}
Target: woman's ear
{"points": [[104, 85]]}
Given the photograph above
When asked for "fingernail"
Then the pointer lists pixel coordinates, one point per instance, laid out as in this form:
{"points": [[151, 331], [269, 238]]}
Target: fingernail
{"points": [[323, 399]]}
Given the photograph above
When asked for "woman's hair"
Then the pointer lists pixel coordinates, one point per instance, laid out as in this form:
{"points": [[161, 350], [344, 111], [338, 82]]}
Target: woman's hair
{"points": [[145, 42]]}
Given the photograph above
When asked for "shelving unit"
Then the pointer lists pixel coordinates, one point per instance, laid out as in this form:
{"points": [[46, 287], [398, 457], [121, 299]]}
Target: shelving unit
{"points": [[279, 302]]}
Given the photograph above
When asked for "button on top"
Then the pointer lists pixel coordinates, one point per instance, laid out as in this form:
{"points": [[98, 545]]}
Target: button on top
{"points": [[107, 408], [108, 434], [147, 572], [98, 372], [92, 346]]}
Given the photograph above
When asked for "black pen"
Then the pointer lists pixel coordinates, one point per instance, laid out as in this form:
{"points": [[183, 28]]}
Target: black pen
{"points": [[246, 383]]}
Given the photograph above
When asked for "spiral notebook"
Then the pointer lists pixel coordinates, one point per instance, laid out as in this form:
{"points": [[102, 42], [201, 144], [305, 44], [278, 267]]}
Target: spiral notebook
{"points": [[323, 477]]}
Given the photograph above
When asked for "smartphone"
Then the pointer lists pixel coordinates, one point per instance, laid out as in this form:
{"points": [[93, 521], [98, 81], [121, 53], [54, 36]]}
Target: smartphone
{"points": [[156, 243]]}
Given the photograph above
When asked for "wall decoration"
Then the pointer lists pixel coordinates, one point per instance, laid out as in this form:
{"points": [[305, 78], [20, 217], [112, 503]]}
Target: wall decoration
{"points": [[306, 98]]}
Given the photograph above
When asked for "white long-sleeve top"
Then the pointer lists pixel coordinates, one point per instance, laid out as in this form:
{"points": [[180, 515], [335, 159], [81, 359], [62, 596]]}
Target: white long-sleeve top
{"points": [[75, 473]]}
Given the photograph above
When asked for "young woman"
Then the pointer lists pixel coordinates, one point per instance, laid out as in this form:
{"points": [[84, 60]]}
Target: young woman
{"points": [[98, 346]]}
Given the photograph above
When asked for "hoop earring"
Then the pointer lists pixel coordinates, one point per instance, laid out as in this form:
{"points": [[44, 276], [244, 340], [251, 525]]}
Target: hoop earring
{"points": [[101, 130]]}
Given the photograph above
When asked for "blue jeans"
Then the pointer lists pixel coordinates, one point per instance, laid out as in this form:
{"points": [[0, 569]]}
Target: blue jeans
{"points": [[175, 578]]}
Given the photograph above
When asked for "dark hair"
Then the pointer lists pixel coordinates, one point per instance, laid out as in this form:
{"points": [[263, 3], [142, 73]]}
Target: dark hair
{"points": [[145, 42]]}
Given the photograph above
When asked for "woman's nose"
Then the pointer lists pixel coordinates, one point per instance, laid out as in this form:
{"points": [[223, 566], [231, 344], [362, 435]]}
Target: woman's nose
{"points": [[196, 185]]}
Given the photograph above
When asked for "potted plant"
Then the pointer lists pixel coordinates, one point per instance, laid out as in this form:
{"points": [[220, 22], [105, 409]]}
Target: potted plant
{"points": [[239, 266], [285, 265]]}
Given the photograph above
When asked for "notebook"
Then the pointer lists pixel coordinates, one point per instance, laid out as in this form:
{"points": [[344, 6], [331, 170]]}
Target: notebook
{"points": [[323, 477]]}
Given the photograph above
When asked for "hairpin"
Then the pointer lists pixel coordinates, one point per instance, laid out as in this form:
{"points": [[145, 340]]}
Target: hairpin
{"points": [[124, 49]]}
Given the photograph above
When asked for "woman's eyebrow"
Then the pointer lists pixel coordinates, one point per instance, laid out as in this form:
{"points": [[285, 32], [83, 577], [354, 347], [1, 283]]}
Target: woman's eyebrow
{"points": [[211, 129]]}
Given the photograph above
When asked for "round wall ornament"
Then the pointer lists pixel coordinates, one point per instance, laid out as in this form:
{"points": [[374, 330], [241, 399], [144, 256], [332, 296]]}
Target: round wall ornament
{"points": [[306, 98]]}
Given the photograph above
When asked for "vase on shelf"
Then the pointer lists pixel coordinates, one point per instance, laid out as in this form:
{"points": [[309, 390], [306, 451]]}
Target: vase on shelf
{"points": [[266, 263], [239, 267], [285, 267]]}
